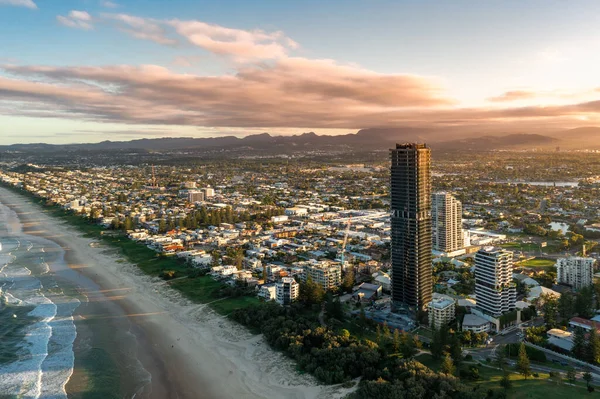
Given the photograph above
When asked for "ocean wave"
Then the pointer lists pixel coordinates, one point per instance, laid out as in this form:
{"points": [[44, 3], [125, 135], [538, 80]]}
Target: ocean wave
{"points": [[44, 361]]}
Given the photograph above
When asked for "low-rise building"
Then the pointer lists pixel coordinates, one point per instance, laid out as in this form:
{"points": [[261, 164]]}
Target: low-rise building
{"points": [[475, 324], [442, 310], [268, 292], [560, 338]]}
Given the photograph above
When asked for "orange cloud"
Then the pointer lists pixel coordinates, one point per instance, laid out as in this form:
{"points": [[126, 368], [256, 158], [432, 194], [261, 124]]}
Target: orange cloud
{"points": [[292, 92], [514, 95]]}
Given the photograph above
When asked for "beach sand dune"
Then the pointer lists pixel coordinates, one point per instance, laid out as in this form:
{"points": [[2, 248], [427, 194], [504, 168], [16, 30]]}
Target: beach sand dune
{"points": [[189, 350]]}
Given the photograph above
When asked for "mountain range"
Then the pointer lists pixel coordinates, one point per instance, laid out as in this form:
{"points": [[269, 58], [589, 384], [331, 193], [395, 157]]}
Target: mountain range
{"points": [[365, 139]]}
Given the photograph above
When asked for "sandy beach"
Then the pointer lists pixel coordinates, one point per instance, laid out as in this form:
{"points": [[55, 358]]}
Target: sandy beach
{"points": [[186, 349]]}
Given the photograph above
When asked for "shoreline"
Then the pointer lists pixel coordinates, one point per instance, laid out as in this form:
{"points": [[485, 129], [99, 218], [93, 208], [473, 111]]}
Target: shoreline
{"points": [[189, 350]]}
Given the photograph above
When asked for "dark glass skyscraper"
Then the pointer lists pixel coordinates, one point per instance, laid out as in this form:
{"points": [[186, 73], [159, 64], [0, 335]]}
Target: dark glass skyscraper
{"points": [[411, 226]]}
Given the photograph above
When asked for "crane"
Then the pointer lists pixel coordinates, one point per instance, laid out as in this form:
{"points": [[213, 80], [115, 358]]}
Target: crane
{"points": [[345, 240]]}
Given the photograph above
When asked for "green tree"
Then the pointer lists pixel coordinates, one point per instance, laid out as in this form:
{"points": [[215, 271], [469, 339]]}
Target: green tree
{"points": [[592, 353], [447, 366], [566, 305], [500, 356], [584, 305], [505, 382], [549, 307], [587, 377], [571, 375], [456, 350], [579, 343], [555, 376], [348, 281], [408, 345], [162, 226], [396, 341], [311, 293], [523, 366]]}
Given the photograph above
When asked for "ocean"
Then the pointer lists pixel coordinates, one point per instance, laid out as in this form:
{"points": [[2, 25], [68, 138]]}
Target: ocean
{"points": [[37, 330]]}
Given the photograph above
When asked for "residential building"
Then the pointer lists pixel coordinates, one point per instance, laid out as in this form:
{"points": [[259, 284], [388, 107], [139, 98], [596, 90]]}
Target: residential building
{"points": [[208, 192], [268, 292], [587, 325], [411, 226], [327, 274], [195, 196], [576, 271], [287, 291], [475, 324], [494, 288], [446, 215], [442, 310]]}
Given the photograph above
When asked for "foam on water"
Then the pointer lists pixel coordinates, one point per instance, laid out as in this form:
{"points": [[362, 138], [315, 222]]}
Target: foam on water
{"points": [[45, 354]]}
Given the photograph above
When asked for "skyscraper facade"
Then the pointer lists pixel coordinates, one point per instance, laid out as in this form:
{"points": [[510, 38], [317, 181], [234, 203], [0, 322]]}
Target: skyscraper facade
{"points": [[494, 288], [446, 214], [411, 226]]}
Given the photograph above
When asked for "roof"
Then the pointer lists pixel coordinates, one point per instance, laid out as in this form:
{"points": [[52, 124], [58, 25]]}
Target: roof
{"points": [[538, 290], [472, 320], [560, 333], [369, 287], [466, 302], [585, 323]]}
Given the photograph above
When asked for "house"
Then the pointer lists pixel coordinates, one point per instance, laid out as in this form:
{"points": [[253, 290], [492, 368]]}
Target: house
{"points": [[475, 324], [367, 292], [560, 338], [580, 322]]}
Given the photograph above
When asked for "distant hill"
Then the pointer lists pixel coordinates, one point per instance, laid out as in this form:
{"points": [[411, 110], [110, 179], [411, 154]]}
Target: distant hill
{"points": [[579, 138], [510, 141], [366, 139]]}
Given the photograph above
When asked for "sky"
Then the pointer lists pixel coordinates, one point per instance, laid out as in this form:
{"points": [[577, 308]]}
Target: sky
{"points": [[94, 70]]}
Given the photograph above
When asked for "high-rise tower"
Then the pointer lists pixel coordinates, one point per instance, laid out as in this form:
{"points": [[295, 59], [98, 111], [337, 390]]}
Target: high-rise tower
{"points": [[411, 226], [446, 214], [494, 288]]}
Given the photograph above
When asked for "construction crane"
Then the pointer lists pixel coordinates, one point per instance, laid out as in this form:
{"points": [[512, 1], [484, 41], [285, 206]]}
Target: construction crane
{"points": [[345, 240], [154, 185]]}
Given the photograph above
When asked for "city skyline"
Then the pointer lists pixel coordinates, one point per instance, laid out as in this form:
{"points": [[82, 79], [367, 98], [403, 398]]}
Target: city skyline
{"points": [[87, 71]]}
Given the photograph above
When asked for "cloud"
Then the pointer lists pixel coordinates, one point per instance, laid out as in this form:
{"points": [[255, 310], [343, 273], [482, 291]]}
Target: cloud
{"points": [[20, 3], [513, 95], [546, 95], [186, 61], [109, 4], [76, 19], [238, 44], [244, 44], [292, 92], [142, 28]]}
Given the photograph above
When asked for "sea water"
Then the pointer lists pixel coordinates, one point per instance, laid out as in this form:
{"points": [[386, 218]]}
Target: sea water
{"points": [[36, 316]]}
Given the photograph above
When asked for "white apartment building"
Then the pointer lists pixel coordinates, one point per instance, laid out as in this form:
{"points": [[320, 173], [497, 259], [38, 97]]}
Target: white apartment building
{"points": [[442, 310], [494, 288], [287, 291], [195, 196], [576, 271], [446, 215], [328, 275], [208, 192]]}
